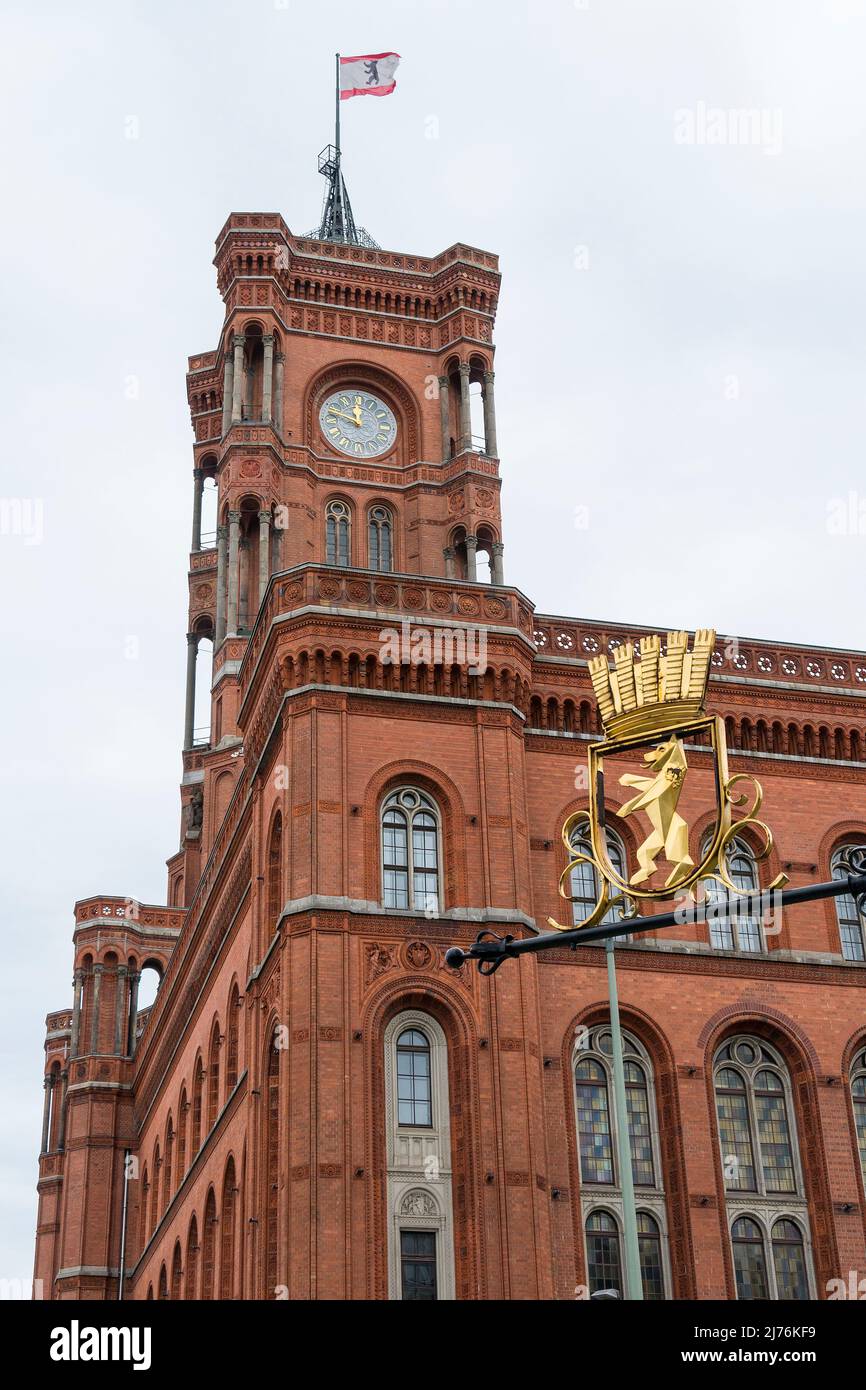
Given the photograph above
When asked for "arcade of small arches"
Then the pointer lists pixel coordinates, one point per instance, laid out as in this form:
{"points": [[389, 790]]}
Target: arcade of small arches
{"points": [[552, 714], [447, 679], [199, 1103]]}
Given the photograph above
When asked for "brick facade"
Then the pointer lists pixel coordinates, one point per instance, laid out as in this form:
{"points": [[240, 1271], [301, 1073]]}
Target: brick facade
{"points": [[256, 1171]]}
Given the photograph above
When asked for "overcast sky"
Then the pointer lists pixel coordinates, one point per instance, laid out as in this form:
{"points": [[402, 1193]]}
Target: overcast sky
{"points": [[680, 357]]}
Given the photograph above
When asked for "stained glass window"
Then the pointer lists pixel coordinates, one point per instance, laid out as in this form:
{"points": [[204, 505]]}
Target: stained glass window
{"points": [[650, 1250], [789, 1261], [593, 1122], [773, 1133], [602, 1248], [738, 1159], [640, 1134], [750, 1263]]}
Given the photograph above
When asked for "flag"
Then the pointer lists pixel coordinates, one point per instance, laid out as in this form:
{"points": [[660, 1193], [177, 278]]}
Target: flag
{"points": [[370, 75]]}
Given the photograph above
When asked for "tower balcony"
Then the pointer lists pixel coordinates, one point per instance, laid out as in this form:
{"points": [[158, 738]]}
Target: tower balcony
{"points": [[317, 594]]}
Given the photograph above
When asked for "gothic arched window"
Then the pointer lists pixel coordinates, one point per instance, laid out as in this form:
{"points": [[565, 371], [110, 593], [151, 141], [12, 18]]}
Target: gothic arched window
{"points": [[380, 539], [338, 527], [584, 880], [601, 1189], [851, 923], [858, 1098], [760, 1157], [410, 851], [732, 930], [603, 1263]]}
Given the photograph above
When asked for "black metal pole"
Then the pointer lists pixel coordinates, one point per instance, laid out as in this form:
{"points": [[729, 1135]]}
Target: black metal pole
{"points": [[490, 950]]}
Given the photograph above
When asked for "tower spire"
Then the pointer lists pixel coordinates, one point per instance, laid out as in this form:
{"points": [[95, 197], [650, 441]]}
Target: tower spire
{"points": [[338, 221]]}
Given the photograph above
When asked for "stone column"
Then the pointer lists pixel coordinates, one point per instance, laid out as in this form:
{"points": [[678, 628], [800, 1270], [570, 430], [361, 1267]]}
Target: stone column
{"points": [[76, 1013], [237, 376], [134, 978], [450, 562], [198, 488], [94, 1022], [232, 605], [465, 412], [228, 391], [48, 1085], [471, 565], [264, 552], [279, 533], [268, 377], [120, 1010], [444, 417], [496, 575], [61, 1119], [490, 446], [222, 558], [189, 711], [279, 373]]}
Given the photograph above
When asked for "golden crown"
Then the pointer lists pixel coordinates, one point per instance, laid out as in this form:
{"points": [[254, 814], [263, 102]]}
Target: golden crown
{"points": [[644, 696]]}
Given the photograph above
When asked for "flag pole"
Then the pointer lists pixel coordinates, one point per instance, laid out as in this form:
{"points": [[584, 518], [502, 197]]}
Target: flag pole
{"points": [[339, 220], [337, 89]]}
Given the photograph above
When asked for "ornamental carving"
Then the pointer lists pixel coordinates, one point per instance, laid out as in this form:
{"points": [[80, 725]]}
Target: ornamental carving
{"points": [[484, 499], [379, 960], [418, 955], [456, 502], [418, 1204]]}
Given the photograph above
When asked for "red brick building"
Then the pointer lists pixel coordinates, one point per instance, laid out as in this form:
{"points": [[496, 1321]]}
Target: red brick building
{"points": [[315, 1106]]}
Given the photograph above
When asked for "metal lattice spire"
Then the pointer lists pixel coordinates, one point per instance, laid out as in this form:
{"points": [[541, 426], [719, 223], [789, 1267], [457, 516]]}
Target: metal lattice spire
{"points": [[338, 221]]}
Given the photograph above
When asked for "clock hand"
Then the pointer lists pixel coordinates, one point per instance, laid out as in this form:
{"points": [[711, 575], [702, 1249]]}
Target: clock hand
{"points": [[350, 418]]}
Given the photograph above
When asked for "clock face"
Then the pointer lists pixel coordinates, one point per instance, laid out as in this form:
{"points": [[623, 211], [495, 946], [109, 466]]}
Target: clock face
{"points": [[358, 423]]}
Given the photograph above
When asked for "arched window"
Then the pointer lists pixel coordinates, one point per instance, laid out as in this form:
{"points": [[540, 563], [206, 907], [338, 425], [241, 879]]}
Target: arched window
{"points": [[851, 923], [272, 1170], [410, 851], [182, 1110], [227, 1232], [603, 1263], [759, 1155], [213, 1076], [750, 1264], [338, 524], [232, 1030], [209, 1246], [176, 1272], [380, 541], [197, 1105], [167, 1190], [789, 1261], [601, 1190], [414, 1100], [418, 1142], [858, 1097], [650, 1251], [191, 1260], [275, 873], [163, 1283], [584, 880], [731, 930]]}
